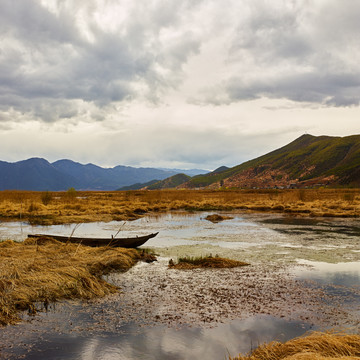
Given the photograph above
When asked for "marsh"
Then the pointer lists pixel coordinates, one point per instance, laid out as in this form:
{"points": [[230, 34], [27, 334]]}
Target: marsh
{"points": [[304, 275]]}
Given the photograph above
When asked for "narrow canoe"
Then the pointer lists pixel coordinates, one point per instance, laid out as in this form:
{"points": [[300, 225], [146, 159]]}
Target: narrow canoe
{"points": [[131, 242]]}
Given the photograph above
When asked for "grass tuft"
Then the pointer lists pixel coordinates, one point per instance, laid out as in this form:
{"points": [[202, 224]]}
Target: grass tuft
{"points": [[316, 346], [215, 218], [187, 263]]}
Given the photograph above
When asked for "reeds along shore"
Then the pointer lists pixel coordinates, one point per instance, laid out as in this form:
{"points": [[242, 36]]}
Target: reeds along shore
{"points": [[72, 206]]}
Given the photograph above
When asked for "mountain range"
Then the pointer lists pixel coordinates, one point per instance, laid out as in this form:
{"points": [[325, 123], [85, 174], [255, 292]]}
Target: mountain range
{"points": [[38, 174], [306, 162]]}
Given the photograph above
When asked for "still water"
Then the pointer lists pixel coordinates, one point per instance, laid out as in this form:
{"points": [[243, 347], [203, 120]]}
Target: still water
{"points": [[326, 253]]}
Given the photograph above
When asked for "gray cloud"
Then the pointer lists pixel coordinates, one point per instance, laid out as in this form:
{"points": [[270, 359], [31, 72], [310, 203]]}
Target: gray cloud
{"points": [[323, 89], [298, 51], [117, 73], [48, 56]]}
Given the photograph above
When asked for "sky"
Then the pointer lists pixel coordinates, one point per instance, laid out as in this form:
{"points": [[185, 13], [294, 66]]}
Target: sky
{"points": [[174, 83]]}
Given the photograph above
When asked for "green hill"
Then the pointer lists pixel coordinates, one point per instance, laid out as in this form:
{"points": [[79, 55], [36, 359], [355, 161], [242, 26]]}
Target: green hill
{"points": [[171, 182], [137, 186], [307, 161]]}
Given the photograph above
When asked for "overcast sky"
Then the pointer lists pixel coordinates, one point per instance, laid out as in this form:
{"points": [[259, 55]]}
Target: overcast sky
{"points": [[174, 83]]}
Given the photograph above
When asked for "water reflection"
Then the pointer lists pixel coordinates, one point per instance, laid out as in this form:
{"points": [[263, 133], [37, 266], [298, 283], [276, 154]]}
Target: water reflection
{"points": [[344, 274], [167, 343], [174, 229]]}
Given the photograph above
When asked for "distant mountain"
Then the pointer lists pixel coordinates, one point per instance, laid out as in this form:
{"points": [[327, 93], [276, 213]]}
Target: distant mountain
{"points": [[219, 170], [34, 174], [170, 183], [190, 172], [307, 161], [94, 177], [39, 174], [138, 186]]}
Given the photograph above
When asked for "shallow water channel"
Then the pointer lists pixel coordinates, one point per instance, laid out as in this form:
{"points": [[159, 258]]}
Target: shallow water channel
{"points": [[304, 275]]}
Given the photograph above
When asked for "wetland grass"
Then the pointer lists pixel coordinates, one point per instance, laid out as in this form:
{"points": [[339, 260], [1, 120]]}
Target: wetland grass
{"points": [[316, 346], [188, 263], [89, 206], [46, 270]]}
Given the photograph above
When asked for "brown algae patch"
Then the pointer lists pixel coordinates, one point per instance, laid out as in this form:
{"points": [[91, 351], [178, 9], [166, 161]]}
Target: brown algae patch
{"points": [[153, 294]]}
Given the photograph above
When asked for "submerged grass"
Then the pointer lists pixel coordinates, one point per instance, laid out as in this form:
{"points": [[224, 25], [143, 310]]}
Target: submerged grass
{"points": [[187, 263], [44, 270], [316, 346]]}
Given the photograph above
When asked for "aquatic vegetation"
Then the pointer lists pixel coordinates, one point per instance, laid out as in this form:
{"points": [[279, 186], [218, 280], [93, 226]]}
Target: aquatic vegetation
{"points": [[317, 345], [186, 263], [43, 271]]}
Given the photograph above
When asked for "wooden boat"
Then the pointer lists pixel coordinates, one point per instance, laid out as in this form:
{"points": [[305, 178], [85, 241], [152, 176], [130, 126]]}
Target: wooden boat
{"points": [[130, 242]]}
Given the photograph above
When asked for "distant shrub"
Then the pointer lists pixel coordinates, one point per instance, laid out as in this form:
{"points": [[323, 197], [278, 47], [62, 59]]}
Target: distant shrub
{"points": [[349, 197], [302, 194], [33, 207], [71, 193], [46, 198]]}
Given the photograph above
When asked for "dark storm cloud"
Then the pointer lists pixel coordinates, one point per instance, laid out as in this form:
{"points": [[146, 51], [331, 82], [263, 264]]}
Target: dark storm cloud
{"points": [[52, 59], [46, 56]]}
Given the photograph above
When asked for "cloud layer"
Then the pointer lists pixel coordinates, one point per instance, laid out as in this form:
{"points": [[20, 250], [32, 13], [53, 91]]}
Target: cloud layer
{"points": [[146, 67]]}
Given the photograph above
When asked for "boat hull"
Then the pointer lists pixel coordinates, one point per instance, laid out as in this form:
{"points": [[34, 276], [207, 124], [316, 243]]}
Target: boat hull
{"points": [[131, 242]]}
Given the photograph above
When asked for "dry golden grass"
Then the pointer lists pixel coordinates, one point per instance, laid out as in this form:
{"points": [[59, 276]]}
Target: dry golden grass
{"points": [[47, 270], [189, 263], [316, 346], [60, 207]]}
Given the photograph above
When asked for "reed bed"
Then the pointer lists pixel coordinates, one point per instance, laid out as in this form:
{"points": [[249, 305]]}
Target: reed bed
{"points": [[316, 346], [75, 207], [42, 271]]}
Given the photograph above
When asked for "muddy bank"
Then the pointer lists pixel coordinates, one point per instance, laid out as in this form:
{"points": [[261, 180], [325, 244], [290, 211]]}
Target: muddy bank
{"points": [[170, 303]]}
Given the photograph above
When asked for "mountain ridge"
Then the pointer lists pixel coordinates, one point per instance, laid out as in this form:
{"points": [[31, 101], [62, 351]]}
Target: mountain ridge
{"points": [[169, 183], [39, 174], [307, 161]]}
